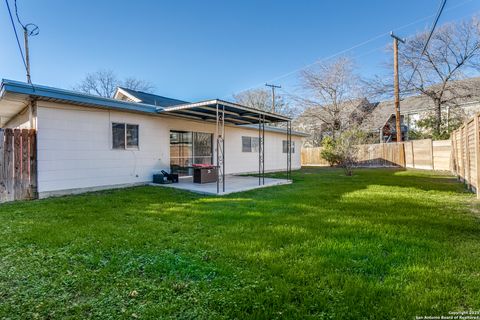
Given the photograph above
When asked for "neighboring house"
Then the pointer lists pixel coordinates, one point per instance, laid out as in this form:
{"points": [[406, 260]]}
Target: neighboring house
{"points": [[87, 142], [379, 118], [462, 102]]}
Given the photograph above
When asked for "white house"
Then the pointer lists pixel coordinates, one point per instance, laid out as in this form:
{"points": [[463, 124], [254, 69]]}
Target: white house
{"points": [[86, 142]]}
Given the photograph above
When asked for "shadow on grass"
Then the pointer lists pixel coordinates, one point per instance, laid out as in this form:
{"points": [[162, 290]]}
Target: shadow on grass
{"points": [[383, 242]]}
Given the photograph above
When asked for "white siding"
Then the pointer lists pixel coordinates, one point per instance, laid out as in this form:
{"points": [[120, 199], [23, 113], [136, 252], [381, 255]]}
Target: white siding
{"points": [[74, 148], [20, 121]]}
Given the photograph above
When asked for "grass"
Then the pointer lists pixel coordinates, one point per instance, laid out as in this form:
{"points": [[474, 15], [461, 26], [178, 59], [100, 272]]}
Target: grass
{"points": [[383, 244]]}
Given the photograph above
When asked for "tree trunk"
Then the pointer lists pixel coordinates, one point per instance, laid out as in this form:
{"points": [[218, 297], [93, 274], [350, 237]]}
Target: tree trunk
{"points": [[438, 118]]}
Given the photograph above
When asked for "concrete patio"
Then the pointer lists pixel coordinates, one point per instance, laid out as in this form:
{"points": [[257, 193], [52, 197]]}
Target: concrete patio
{"points": [[233, 184]]}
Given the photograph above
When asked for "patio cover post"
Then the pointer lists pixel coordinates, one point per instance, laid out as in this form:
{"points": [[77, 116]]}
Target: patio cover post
{"points": [[261, 149], [289, 150], [220, 135]]}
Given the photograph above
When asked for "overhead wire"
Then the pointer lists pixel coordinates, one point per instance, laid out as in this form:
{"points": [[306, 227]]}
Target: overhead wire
{"points": [[355, 46], [16, 34], [434, 25], [16, 13]]}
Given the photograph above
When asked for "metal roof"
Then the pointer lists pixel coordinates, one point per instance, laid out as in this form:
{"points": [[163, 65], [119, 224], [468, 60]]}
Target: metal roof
{"points": [[153, 99], [234, 113], [61, 95]]}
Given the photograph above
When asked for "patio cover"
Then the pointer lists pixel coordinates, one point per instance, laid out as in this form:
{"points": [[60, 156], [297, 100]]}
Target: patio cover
{"points": [[222, 112], [233, 113]]}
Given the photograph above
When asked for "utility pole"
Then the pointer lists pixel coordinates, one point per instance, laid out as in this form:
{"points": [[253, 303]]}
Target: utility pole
{"points": [[28, 33], [273, 94], [27, 55], [396, 89]]}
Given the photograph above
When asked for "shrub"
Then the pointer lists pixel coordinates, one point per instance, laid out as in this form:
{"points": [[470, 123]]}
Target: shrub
{"points": [[343, 151], [328, 151]]}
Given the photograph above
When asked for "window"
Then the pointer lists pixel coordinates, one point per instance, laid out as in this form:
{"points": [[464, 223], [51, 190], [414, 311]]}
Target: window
{"points": [[118, 135], [285, 146], [188, 148], [132, 135], [124, 136], [250, 144], [246, 144]]}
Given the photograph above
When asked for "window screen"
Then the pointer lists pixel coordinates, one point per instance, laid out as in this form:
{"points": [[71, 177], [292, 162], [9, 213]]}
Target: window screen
{"points": [[285, 146], [132, 135], [118, 135], [246, 144], [250, 144], [255, 145]]}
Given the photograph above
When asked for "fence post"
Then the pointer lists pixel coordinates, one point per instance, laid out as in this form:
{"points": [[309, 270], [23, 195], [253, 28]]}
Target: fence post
{"points": [[32, 139], [452, 153], [431, 154], [463, 152], [477, 156], [25, 182]]}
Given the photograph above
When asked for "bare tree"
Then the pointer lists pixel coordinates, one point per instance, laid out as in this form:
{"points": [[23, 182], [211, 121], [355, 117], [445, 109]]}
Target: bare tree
{"points": [[332, 96], [453, 49], [452, 53], [262, 99], [137, 84], [104, 83]]}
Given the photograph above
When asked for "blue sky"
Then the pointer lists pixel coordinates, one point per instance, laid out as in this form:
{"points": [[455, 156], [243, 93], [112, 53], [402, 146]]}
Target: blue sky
{"points": [[196, 50]]}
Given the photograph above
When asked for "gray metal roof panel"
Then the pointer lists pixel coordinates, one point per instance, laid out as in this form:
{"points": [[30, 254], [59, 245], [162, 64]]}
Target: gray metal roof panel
{"points": [[153, 99], [46, 92]]}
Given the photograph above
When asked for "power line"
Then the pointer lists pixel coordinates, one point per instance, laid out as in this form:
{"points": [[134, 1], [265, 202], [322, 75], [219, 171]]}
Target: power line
{"points": [[439, 13], [29, 30], [16, 35], [16, 13], [355, 46]]}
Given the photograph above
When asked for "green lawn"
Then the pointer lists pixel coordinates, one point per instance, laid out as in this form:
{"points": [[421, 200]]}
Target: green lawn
{"points": [[383, 244]]}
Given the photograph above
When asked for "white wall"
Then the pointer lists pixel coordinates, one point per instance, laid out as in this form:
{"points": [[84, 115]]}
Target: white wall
{"points": [[20, 121], [74, 148]]}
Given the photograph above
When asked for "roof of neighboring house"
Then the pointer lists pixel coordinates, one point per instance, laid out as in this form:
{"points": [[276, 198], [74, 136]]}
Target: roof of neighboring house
{"points": [[382, 111], [15, 94], [152, 99]]}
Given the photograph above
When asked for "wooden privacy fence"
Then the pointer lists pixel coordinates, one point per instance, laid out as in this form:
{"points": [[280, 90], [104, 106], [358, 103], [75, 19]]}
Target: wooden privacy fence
{"points": [[466, 153], [420, 154], [381, 155], [428, 154], [18, 164]]}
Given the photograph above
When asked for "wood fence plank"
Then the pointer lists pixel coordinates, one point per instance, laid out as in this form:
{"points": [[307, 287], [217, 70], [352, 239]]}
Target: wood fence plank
{"points": [[477, 156], [25, 182], [431, 154], [8, 165], [462, 144], [17, 157], [467, 164], [32, 139], [413, 154]]}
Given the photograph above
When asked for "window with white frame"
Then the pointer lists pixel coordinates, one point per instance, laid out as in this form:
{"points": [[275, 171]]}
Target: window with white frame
{"points": [[285, 146], [250, 144], [124, 136]]}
